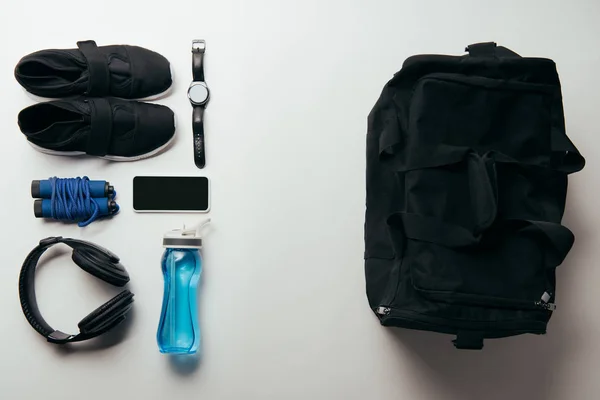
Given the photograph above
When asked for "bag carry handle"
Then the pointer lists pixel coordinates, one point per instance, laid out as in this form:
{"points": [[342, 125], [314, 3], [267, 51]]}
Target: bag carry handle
{"points": [[490, 49], [468, 340]]}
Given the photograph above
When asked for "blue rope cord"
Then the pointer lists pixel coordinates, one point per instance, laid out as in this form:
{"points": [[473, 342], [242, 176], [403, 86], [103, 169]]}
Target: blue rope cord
{"points": [[71, 201]]}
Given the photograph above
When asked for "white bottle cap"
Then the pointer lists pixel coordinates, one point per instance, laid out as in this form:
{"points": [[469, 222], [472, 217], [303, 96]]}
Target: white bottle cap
{"points": [[184, 238]]}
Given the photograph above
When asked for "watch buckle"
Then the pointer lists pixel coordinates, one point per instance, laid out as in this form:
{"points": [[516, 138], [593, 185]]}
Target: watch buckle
{"points": [[198, 46]]}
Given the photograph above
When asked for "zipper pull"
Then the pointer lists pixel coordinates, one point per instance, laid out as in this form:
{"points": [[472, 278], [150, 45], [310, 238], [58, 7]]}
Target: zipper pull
{"points": [[544, 302], [383, 310]]}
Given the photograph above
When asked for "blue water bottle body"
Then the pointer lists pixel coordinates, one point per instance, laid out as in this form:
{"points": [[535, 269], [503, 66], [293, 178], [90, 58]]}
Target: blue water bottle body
{"points": [[178, 329]]}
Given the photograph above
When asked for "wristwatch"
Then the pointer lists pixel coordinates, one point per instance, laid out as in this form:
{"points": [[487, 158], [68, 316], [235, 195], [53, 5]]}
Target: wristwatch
{"points": [[198, 94]]}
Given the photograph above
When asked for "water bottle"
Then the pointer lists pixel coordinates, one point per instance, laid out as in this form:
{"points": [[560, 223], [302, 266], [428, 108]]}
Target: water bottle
{"points": [[178, 330]]}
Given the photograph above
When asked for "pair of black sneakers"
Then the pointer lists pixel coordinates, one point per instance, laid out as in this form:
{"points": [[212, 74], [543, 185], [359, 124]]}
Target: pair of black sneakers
{"points": [[94, 113]]}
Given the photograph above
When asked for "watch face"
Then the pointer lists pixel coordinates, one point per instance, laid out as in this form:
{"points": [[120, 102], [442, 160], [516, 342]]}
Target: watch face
{"points": [[198, 93]]}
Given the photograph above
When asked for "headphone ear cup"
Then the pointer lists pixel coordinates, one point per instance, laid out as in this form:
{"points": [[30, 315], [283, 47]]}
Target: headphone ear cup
{"points": [[99, 265], [74, 243], [108, 315]]}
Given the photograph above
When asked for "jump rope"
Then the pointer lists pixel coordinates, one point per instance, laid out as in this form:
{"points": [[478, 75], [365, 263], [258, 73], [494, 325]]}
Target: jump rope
{"points": [[73, 199]]}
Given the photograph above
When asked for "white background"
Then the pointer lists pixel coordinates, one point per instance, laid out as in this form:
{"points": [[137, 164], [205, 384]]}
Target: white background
{"points": [[283, 309]]}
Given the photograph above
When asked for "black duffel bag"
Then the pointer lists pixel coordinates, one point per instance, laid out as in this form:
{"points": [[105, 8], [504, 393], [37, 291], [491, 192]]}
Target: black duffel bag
{"points": [[467, 165]]}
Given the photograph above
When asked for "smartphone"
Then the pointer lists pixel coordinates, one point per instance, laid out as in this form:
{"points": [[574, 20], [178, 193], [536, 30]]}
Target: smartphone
{"points": [[171, 194]]}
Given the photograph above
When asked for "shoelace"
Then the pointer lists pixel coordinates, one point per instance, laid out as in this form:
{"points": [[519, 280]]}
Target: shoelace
{"points": [[71, 201]]}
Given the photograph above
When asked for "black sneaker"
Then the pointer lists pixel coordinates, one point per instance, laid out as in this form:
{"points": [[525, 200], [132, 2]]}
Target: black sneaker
{"points": [[128, 72], [110, 128]]}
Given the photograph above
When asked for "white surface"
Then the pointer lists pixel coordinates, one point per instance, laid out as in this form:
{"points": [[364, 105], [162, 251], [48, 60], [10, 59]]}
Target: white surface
{"points": [[283, 309]]}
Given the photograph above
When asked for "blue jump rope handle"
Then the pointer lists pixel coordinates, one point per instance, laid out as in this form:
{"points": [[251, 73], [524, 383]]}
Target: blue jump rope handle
{"points": [[42, 208], [42, 189]]}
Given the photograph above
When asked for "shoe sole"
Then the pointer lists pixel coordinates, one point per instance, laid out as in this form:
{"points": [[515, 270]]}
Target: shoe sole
{"points": [[110, 158], [154, 97], [152, 153]]}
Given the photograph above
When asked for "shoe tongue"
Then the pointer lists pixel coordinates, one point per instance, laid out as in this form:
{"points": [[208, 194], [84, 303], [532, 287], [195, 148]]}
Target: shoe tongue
{"points": [[123, 120], [123, 125], [63, 60], [51, 69], [119, 67], [53, 124]]}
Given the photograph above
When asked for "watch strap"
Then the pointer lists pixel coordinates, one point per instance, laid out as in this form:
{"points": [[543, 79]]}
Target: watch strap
{"points": [[198, 128], [198, 48]]}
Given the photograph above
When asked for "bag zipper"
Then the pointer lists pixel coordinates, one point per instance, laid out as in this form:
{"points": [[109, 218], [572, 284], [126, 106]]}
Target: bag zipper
{"points": [[543, 303], [469, 299], [444, 325], [383, 310], [486, 83]]}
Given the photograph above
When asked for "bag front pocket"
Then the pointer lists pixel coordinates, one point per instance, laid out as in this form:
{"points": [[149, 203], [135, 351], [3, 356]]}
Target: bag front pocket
{"points": [[506, 270], [510, 117]]}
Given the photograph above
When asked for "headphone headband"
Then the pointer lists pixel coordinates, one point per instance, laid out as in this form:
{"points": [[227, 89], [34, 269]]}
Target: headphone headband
{"points": [[93, 259]]}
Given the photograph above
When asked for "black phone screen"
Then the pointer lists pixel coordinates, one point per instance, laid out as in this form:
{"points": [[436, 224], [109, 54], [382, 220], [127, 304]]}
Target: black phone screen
{"points": [[171, 193]]}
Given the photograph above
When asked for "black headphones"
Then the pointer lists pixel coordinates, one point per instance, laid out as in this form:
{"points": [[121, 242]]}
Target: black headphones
{"points": [[93, 259]]}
